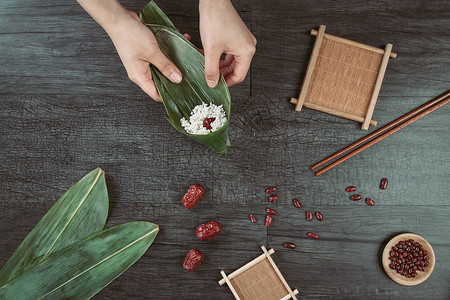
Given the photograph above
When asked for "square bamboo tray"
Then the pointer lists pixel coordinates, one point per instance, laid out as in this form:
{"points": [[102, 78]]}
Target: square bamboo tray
{"points": [[259, 279], [343, 77]]}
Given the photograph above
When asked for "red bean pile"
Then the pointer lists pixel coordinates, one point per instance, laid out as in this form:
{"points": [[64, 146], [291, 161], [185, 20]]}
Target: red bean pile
{"points": [[408, 257]]}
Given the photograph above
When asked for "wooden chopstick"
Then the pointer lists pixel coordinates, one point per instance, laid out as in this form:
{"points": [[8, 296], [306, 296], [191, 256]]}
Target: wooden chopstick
{"points": [[385, 131]]}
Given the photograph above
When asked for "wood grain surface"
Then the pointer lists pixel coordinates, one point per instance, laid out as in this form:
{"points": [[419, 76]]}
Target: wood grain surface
{"points": [[68, 107]]}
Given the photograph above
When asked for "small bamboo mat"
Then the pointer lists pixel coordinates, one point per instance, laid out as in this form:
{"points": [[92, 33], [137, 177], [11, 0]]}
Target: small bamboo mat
{"points": [[343, 78], [259, 279], [259, 282]]}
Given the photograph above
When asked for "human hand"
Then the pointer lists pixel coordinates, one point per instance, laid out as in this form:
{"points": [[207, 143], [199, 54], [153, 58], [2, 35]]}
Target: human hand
{"points": [[137, 48], [223, 31]]}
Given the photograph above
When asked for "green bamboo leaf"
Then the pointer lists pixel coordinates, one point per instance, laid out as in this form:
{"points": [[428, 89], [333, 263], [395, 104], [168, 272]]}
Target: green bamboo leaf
{"points": [[80, 212], [179, 99], [82, 270]]}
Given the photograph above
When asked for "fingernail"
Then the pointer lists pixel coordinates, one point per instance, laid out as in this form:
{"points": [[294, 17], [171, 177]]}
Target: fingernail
{"points": [[175, 77], [211, 83]]}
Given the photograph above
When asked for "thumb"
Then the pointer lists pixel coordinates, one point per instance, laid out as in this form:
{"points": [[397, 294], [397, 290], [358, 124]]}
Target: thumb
{"points": [[166, 67], [212, 60]]}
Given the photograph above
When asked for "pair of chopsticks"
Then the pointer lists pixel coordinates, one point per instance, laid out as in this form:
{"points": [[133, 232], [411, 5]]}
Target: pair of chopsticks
{"points": [[385, 131]]}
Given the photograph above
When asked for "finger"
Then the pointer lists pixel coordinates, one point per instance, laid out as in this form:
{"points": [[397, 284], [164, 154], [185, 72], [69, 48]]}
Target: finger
{"points": [[146, 83], [227, 61], [187, 35], [228, 69], [134, 15], [212, 60], [166, 67], [242, 64]]}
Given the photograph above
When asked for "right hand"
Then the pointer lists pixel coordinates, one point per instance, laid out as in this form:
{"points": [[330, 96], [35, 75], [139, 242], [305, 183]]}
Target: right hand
{"points": [[137, 48]]}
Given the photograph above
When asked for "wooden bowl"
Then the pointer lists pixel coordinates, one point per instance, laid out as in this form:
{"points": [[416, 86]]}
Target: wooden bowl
{"points": [[422, 276]]}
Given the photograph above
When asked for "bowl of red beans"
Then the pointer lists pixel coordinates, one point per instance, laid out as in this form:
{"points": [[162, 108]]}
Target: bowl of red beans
{"points": [[408, 259]]}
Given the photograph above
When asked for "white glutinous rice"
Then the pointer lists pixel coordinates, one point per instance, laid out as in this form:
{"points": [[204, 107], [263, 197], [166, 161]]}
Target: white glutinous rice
{"points": [[198, 115]]}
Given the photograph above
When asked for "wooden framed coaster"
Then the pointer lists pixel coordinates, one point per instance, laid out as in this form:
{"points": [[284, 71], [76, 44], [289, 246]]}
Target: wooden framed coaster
{"points": [[259, 279], [343, 77]]}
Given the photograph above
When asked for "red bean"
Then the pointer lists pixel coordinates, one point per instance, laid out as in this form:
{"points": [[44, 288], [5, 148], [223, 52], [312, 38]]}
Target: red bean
{"points": [[252, 218], [289, 245], [273, 198], [271, 189], [319, 216], [370, 202], [297, 203], [207, 123], [350, 189], [269, 219], [270, 211], [313, 235], [356, 197], [383, 183], [309, 216]]}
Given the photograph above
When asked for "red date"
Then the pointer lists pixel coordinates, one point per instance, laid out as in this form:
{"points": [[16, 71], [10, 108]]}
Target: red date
{"points": [[270, 211], [355, 197], [383, 183], [269, 219], [370, 202], [252, 218], [313, 235], [271, 189], [350, 189], [297, 203], [309, 216], [193, 195], [319, 216], [289, 245], [273, 198], [208, 230], [193, 259]]}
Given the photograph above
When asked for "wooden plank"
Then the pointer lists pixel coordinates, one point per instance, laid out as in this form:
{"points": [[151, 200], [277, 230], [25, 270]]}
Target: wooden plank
{"points": [[377, 87], [310, 69], [230, 285], [334, 112], [353, 43], [67, 107]]}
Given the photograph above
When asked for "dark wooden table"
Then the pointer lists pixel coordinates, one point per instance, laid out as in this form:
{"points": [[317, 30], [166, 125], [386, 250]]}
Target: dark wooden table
{"points": [[67, 107]]}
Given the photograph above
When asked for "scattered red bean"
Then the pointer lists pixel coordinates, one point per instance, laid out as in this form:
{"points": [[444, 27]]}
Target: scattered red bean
{"points": [[313, 235], [273, 198], [356, 197], [269, 219], [370, 202], [270, 211], [350, 189], [297, 203], [193, 259], [271, 189], [207, 123], [289, 245], [309, 216], [193, 195], [319, 216], [208, 230], [383, 183], [252, 218], [406, 258]]}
